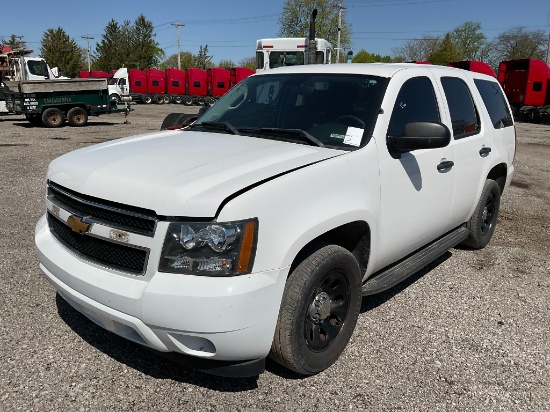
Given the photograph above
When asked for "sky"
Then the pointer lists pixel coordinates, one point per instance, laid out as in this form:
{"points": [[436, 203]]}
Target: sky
{"points": [[231, 28]]}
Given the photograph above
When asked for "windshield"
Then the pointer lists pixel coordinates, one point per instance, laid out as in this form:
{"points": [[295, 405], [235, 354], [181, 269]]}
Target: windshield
{"points": [[336, 110], [285, 58], [38, 68]]}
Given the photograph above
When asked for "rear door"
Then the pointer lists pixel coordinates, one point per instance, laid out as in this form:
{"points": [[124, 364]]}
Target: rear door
{"points": [[470, 141]]}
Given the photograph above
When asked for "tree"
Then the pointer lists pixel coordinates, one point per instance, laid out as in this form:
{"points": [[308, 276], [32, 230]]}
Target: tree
{"points": [[445, 53], [469, 40], [248, 62], [364, 56], [416, 49], [295, 18], [517, 43], [128, 45], [144, 51], [186, 60], [59, 50], [16, 42], [112, 51], [226, 64], [204, 61]]}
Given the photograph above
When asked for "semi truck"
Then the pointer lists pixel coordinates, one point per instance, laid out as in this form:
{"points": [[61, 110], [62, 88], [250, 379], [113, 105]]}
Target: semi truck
{"points": [[51, 103], [17, 65], [526, 83], [294, 51], [188, 87]]}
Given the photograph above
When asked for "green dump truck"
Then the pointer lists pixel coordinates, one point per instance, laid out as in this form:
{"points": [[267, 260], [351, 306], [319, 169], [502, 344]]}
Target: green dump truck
{"points": [[51, 102]]}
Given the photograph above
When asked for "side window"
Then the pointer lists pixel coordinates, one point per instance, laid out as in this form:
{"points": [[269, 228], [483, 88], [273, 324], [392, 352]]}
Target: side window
{"points": [[464, 117], [495, 102], [416, 102]]}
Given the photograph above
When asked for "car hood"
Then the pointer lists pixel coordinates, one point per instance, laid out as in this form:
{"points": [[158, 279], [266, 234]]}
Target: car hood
{"points": [[179, 173]]}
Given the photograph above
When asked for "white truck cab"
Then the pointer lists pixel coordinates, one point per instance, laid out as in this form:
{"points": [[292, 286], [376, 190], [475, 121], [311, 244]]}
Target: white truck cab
{"points": [[257, 230], [282, 52], [119, 86]]}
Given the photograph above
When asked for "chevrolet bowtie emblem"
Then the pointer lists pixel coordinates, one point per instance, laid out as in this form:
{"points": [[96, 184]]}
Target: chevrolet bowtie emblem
{"points": [[77, 225]]}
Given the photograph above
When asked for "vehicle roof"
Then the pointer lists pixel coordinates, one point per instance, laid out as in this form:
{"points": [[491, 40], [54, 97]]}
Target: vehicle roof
{"points": [[376, 69]]}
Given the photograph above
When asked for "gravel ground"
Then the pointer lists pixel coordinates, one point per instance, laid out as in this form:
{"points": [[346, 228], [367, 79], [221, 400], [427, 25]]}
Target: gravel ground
{"points": [[468, 333]]}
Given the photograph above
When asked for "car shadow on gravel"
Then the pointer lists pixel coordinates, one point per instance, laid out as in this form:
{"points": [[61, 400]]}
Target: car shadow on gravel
{"points": [[142, 359], [158, 367], [372, 302]]}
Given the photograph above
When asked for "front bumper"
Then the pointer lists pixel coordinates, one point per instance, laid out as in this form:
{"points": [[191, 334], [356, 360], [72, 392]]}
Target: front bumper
{"points": [[227, 320]]}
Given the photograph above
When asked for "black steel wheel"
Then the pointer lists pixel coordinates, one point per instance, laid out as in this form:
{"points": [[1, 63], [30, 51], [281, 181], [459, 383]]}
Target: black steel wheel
{"points": [[483, 222], [319, 310], [53, 117], [114, 98], [77, 117]]}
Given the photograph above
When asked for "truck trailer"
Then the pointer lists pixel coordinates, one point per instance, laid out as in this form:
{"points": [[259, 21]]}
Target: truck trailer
{"points": [[188, 87], [52, 102], [526, 83]]}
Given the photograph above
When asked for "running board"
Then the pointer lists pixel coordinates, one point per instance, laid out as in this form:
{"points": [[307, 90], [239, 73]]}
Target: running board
{"points": [[393, 275]]}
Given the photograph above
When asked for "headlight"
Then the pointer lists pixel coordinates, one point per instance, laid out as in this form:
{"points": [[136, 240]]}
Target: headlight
{"points": [[214, 249]]}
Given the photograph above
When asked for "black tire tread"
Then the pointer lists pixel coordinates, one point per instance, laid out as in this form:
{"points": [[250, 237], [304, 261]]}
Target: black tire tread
{"points": [[475, 240], [283, 349]]}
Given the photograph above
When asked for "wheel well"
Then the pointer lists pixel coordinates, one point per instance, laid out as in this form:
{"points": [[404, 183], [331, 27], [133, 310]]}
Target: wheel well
{"points": [[498, 174], [353, 236]]}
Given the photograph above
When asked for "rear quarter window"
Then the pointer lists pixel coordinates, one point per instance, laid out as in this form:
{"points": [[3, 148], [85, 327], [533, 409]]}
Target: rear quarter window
{"points": [[495, 101], [463, 112]]}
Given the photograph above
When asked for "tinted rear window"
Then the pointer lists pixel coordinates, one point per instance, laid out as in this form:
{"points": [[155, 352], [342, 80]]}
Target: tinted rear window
{"points": [[495, 101]]}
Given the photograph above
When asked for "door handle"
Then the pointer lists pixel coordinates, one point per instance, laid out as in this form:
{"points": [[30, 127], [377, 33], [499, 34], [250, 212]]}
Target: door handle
{"points": [[445, 164], [484, 151]]}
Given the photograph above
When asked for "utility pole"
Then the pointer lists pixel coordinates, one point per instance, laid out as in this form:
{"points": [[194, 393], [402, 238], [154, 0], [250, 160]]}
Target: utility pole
{"points": [[177, 24], [88, 38], [340, 7]]}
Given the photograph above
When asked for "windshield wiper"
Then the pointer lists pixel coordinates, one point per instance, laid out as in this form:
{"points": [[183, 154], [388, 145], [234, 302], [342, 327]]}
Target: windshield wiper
{"points": [[217, 125], [295, 132]]}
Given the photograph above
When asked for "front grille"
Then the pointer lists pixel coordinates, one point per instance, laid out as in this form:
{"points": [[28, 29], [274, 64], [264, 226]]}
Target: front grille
{"points": [[124, 217], [103, 252]]}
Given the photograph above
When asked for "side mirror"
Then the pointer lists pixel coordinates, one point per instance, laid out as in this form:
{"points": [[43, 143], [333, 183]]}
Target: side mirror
{"points": [[55, 71], [420, 135]]}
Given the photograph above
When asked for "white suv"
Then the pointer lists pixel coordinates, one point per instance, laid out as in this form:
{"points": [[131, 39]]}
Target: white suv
{"points": [[257, 230]]}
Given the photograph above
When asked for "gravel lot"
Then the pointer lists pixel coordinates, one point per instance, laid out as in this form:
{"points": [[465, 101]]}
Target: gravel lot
{"points": [[469, 332]]}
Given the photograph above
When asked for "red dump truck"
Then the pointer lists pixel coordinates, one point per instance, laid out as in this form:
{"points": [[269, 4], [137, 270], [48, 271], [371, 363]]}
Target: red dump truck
{"points": [[526, 83], [188, 87]]}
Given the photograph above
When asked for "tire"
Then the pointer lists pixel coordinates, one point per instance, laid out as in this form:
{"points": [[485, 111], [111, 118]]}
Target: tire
{"points": [[484, 220], [115, 98], [187, 100], [53, 117], [319, 310], [147, 99], [158, 99], [167, 99], [178, 100], [199, 101], [211, 101], [77, 117]]}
